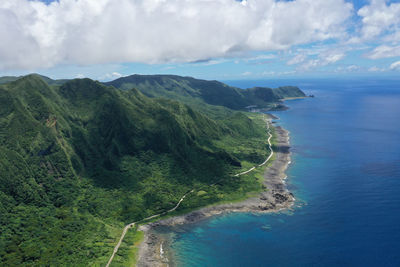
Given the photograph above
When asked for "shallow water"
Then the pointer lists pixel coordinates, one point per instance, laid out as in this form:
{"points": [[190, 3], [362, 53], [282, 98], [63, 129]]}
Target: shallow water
{"points": [[345, 173]]}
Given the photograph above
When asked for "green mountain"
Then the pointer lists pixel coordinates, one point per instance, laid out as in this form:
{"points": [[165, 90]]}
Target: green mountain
{"points": [[7, 79], [197, 92], [81, 159]]}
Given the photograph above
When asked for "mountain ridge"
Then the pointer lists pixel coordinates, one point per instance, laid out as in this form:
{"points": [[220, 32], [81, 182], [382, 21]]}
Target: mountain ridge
{"points": [[189, 90]]}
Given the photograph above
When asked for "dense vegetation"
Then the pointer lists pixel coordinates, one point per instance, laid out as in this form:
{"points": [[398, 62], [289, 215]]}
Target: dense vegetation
{"points": [[7, 79], [79, 159], [197, 92]]}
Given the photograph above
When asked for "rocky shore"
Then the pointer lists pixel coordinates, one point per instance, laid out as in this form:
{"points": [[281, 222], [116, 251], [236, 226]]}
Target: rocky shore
{"points": [[275, 198]]}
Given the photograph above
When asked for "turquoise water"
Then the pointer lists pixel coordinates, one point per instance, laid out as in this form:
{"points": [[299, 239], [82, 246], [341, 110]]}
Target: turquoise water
{"points": [[345, 173]]}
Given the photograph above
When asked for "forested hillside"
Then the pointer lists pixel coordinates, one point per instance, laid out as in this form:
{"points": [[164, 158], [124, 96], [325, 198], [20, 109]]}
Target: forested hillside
{"points": [[79, 160], [196, 92]]}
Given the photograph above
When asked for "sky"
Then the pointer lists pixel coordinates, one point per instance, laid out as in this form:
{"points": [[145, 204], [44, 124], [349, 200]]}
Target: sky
{"points": [[209, 39]]}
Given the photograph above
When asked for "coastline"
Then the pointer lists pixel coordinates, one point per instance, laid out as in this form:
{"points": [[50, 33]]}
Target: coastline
{"points": [[152, 252]]}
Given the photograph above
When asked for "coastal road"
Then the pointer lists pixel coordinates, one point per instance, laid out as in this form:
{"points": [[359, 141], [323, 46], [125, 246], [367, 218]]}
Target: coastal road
{"points": [[268, 158], [126, 228], [242, 173], [270, 147]]}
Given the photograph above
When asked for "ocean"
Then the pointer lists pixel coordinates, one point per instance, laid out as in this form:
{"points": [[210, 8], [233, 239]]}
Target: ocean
{"points": [[345, 175]]}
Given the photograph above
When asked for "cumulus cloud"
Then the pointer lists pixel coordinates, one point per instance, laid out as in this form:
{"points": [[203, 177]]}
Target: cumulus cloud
{"points": [[395, 65], [375, 69], [380, 18], [384, 51], [325, 58], [208, 62], [297, 59], [110, 76], [352, 68], [158, 31], [332, 57]]}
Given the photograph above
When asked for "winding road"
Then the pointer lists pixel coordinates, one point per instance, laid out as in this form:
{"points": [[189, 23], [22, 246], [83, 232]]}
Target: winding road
{"points": [[126, 228], [269, 145], [269, 157]]}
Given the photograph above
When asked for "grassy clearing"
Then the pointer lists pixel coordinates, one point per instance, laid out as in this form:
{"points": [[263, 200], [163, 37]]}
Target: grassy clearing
{"points": [[128, 252]]}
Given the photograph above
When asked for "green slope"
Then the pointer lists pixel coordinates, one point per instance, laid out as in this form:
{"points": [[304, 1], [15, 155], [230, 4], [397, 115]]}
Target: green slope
{"points": [[197, 92], [7, 79], [79, 160]]}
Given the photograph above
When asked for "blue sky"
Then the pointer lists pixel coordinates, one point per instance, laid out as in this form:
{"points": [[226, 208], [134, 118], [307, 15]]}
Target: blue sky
{"points": [[220, 39]]}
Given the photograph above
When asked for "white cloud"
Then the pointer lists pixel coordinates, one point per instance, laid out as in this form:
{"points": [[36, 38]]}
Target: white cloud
{"points": [[246, 73], [375, 69], [330, 58], [324, 58], [295, 22], [110, 76], [347, 69], [384, 51], [379, 18], [287, 72], [35, 35], [297, 59], [393, 37], [261, 57], [169, 67], [268, 73], [395, 65], [116, 75], [352, 68]]}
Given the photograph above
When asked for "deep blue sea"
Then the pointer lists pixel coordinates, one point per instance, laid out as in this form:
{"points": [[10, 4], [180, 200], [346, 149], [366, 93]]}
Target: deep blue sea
{"points": [[345, 174]]}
